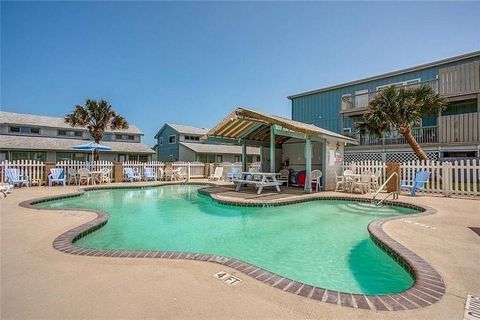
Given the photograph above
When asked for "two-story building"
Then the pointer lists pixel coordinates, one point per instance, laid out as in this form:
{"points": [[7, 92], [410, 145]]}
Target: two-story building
{"points": [[177, 142], [43, 138], [454, 133]]}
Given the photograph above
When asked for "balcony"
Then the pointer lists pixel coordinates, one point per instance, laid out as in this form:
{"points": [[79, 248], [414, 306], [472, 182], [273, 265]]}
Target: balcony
{"points": [[461, 80], [357, 103], [452, 129]]}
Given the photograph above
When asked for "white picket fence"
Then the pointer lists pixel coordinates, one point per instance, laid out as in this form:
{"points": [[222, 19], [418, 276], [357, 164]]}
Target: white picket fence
{"points": [[89, 165], [448, 178], [34, 170], [139, 167], [193, 169]]}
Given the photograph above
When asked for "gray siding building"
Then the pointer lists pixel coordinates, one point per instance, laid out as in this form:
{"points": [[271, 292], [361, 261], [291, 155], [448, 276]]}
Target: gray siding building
{"points": [[50, 139]]}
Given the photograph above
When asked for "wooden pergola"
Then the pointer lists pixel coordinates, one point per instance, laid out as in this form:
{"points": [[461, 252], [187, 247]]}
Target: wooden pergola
{"points": [[248, 127]]}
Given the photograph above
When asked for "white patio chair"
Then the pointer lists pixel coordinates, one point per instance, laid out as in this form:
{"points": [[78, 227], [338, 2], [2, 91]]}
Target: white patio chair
{"points": [[364, 183], [149, 174], [375, 180], [5, 189], [105, 176], [347, 180], [181, 174], [160, 175], [15, 178], [284, 176], [217, 174], [339, 181], [56, 176], [84, 176], [72, 175], [168, 174], [316, 176], [130, 175]]}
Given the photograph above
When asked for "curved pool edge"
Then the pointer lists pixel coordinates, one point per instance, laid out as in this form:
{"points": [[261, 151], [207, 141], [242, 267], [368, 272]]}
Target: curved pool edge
{"points": [[428, 287]]}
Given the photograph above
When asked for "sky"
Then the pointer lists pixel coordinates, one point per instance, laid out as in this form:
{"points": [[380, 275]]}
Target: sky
{"points": [[193, 62]]}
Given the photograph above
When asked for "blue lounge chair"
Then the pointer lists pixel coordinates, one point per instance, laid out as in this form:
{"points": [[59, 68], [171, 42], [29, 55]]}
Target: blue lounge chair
{"points": [[130, 175], [14, 178], [56, 176], [421, 177]]}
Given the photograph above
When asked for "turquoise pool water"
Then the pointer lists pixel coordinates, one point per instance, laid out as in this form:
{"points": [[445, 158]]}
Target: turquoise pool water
{"points": [[322, 243]]}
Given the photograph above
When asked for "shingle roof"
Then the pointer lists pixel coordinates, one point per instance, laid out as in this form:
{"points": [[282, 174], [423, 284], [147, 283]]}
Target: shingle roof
{"points": [[219, 148], [180, 128], [9, 142], [47, 121]]}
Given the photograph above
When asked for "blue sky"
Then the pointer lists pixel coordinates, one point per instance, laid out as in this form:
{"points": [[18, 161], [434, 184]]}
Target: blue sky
{"points": [[193, 62]]}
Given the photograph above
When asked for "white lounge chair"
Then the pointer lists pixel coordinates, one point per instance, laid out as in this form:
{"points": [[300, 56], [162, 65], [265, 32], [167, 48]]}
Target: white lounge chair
{"points": [[14, 178], [217, 174], [149, 174], [56, 176], [130, 175], [316, 176], [339, 181], [284, 176]]}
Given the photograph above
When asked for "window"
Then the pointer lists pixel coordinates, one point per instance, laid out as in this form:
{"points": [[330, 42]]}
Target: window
{"points": [[66, 156], [219, 158], [27, 155], [236, 158], [26, 130], [172, 139], [192, 138], [347, 130], [206, 158], [107, 137], [69, 133], [160, 141], [124, 137]]}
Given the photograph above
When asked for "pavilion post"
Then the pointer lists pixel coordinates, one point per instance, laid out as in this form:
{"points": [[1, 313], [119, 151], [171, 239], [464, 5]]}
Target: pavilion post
{"points": [[308, 165], [244, 156], [272, 148]]}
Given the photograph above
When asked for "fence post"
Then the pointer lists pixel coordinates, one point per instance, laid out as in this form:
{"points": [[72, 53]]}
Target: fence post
{"points": [[447, 178], [118, 172], [394, 184], [188, 171]]}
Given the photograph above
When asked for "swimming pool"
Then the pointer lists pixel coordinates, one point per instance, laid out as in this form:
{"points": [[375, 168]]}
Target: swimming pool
{"points": [[322, 243]]}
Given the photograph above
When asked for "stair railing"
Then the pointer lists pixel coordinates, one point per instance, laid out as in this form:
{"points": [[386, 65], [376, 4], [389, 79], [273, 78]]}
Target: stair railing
{"points": [[394, 193]]}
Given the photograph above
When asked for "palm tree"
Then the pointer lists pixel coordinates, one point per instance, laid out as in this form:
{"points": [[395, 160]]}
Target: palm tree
{"points": [[96, 116], [401, 109]]}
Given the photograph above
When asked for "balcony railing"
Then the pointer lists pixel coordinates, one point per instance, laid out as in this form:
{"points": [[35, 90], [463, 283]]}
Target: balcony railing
{"points": [[360, 101], [422, 135]]}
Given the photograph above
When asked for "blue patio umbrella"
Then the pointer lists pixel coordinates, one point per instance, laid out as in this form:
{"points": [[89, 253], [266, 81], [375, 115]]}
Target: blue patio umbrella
{"points": [[91, 146]]}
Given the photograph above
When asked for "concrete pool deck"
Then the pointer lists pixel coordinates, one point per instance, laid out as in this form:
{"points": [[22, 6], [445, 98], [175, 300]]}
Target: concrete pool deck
{"points": [[38, 281]]}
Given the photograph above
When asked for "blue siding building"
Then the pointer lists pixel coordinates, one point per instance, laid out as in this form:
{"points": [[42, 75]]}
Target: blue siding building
{"points": [[184, 143], [454, 133]]}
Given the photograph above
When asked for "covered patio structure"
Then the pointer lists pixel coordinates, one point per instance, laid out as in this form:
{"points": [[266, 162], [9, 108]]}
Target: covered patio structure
{"points": [[291, 144]]}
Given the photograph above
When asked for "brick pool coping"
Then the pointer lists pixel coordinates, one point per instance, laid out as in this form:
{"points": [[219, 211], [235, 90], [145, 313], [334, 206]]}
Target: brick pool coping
{"points": [[428, 287]]}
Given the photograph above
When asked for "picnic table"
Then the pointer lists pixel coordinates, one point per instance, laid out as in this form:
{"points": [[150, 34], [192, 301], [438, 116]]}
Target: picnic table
{"points": [[258, 179]]}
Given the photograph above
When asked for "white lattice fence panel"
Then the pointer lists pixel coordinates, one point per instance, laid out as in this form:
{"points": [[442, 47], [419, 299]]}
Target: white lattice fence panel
{"points": [[357, 157]]}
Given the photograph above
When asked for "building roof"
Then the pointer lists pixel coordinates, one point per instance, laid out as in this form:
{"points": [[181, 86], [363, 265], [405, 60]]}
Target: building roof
{"points": [[13, 142], [180, 128], [183, 129], [219, 148], [47, 121], [390, 74], [250, 125]]}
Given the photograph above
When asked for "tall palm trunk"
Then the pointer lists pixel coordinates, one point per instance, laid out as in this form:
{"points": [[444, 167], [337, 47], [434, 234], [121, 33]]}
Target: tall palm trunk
{"points": [[96, 155], [407, 133]]}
